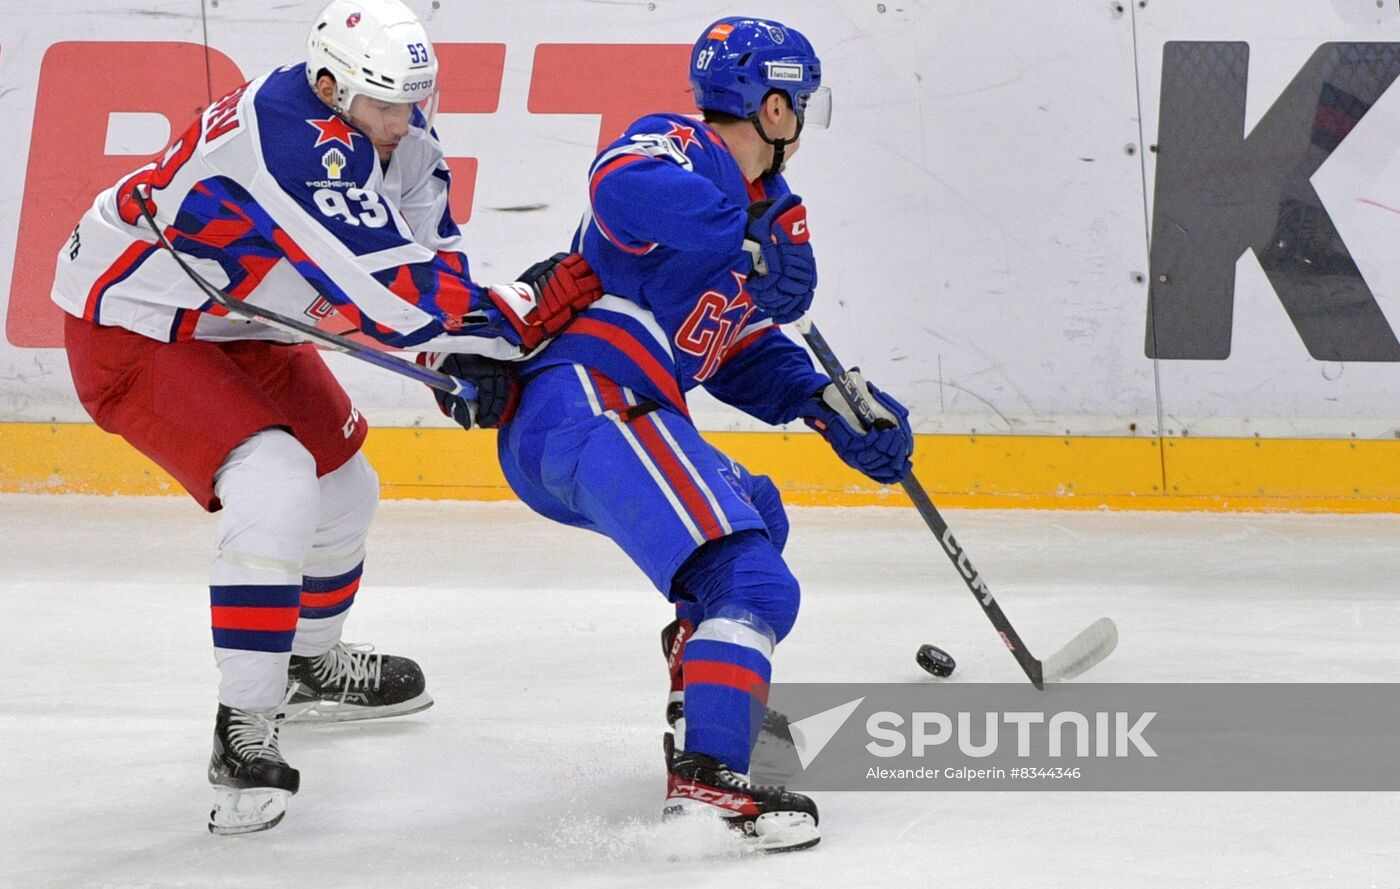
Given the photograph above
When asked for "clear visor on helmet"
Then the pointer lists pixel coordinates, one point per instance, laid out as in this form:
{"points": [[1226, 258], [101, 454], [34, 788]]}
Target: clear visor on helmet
{"points": [[815, 107], [380, 117]]}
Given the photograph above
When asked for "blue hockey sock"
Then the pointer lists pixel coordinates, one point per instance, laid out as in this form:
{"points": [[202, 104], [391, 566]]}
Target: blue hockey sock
{"points": [[727, 670], [749, 600]]}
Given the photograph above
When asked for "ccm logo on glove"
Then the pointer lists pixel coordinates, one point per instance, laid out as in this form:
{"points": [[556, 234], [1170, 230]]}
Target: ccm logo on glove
{"points": [[794, 222], [778, 240]]}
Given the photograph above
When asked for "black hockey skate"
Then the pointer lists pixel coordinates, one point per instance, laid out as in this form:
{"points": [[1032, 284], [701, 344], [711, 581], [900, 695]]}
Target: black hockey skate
{"points": [[251, 778], [771, 818], [352, 682]]}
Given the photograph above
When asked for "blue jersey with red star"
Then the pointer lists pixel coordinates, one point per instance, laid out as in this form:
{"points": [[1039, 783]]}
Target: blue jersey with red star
{"points": [[668, 206], [273, 197]]}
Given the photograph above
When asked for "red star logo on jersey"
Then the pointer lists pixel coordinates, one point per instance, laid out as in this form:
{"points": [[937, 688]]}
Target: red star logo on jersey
{"points": [[333, 129], [684, 136]]}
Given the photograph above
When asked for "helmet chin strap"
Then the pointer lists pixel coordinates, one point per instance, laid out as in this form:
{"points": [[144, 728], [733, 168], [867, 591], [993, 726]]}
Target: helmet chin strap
{"points": [[779, 145]]}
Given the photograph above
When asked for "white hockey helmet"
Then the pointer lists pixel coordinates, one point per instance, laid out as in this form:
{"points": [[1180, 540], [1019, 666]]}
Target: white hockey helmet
{"points": [[373, 48]]}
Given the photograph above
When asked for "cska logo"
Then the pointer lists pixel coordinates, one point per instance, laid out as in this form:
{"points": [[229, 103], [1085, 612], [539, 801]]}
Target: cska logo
{"points": [[353, 20]]}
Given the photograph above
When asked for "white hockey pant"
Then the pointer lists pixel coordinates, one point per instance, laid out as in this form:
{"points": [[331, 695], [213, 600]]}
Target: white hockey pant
{"points": [[281, 527]]}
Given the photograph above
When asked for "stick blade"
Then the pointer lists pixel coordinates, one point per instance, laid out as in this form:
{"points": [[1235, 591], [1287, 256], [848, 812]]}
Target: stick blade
{"points": [[1082, 652]]}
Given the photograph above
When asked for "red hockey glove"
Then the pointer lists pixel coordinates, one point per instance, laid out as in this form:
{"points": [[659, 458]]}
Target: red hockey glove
{"points": [[564, 285]]}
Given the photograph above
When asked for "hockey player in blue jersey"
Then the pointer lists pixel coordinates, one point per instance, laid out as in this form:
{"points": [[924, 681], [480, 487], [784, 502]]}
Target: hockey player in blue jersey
{"points": [[602, 438]]}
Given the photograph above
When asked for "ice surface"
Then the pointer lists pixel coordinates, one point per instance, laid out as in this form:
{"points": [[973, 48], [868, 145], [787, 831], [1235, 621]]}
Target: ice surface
{"points": [[540, 765]]}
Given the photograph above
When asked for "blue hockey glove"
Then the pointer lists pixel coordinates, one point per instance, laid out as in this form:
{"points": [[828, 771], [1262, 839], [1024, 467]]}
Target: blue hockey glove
{"points": [[784, 278], [881, 454], [498, 392]]}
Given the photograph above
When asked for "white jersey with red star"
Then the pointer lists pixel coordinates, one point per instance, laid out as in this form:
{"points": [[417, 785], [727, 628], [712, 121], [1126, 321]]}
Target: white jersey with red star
{"points": [[275, 199]]}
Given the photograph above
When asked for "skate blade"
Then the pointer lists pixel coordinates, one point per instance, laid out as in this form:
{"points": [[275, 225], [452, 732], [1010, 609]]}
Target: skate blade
{"points": [[323, 712], [771, 832], [785, 832], [246, 811]]}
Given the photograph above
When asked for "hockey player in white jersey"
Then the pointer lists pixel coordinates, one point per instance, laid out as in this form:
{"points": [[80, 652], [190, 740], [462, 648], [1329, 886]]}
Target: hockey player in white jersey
{"points": [[317, 191]]}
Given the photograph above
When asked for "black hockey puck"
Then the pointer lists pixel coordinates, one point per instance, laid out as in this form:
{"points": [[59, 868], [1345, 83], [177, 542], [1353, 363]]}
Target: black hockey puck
{"points": [[935, 660]]}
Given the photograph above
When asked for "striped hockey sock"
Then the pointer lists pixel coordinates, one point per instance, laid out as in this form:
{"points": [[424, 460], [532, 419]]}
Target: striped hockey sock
{"points": [[253, 628], [727, 669], [325, 603]]}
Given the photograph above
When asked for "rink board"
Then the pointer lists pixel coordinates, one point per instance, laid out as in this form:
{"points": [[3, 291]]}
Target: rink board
{"points": [[1041, 472], [1013, 238]]}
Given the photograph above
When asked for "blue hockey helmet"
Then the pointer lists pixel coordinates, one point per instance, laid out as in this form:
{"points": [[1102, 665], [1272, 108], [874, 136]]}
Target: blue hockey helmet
{"points": [[739, 61]]}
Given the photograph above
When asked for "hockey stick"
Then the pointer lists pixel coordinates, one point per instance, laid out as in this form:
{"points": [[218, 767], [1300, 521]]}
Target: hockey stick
{"points": [[426, 375], [1092, 645]]}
